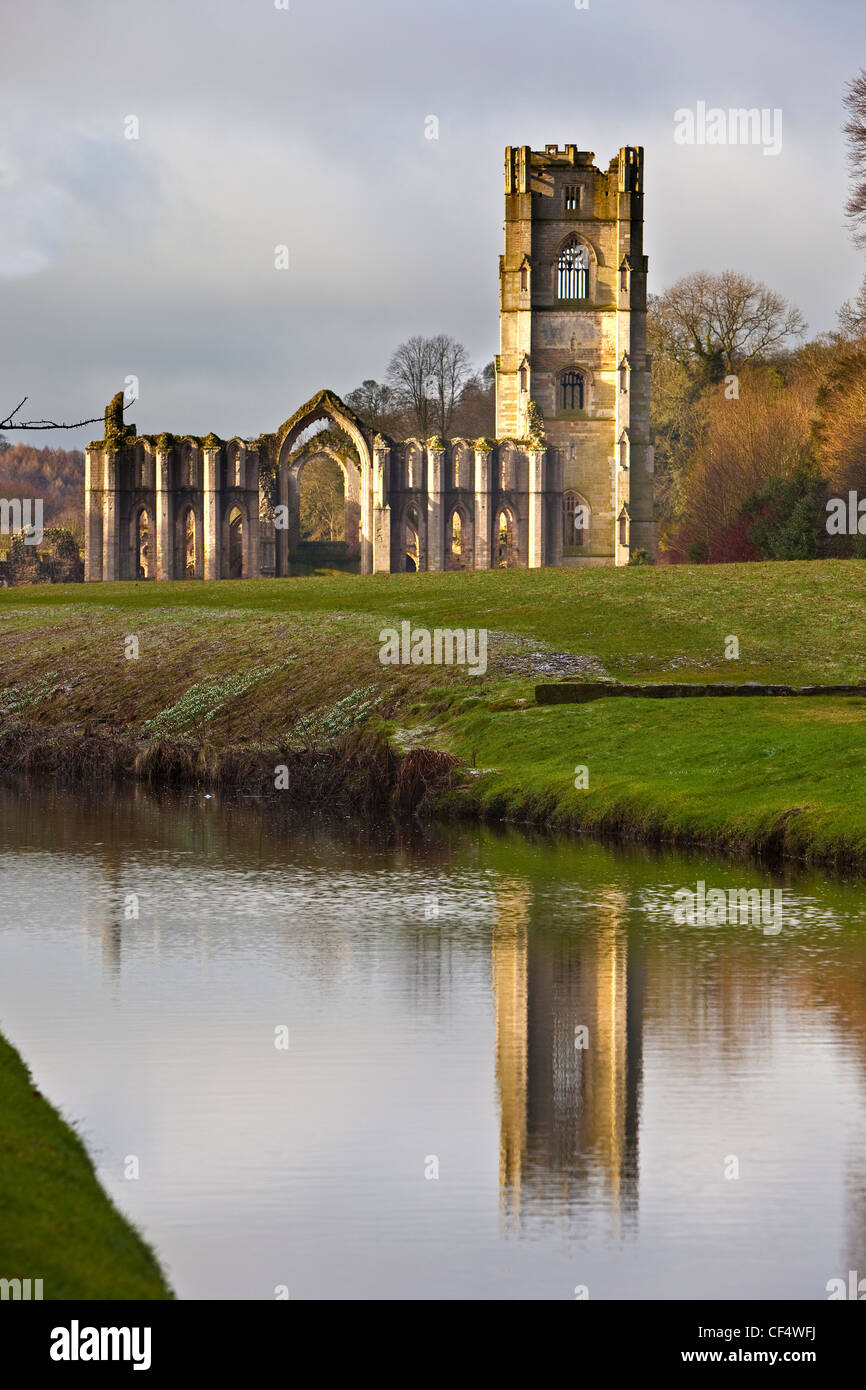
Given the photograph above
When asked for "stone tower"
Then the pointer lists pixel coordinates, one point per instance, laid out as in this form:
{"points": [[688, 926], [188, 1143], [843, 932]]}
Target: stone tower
{"points": [[573, 340]]}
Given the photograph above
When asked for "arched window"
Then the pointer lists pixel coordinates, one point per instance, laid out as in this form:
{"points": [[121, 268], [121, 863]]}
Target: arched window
{"points": [[575, 519], [573, 271], [571, 393], [413, 469], [187, 466], [142, 546], [458, 465], [506, 469], [623, 527], [189, 544], [140, 466], [411, 543], [234, 466], [456, 536], [505, 542], [236, 543]]}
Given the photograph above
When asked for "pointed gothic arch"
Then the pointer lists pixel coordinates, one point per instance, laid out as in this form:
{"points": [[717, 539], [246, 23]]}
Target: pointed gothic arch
{"points": [[325, 405], [575, 268]]}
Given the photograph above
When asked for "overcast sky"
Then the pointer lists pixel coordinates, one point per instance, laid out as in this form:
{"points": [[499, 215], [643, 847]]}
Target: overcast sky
{"points": [[260, 127]]}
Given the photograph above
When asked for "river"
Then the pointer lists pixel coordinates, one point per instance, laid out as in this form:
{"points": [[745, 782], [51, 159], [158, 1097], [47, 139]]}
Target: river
{"points": [[336, 1061]]}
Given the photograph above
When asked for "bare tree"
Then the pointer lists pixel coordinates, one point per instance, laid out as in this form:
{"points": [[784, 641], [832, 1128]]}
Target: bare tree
{"points": [[450, 369], [409, 374], [713, 324], [113, 412], [10, 422], [374, 403], [852, 317], [855, 131], [323, 502], [427, 376]]}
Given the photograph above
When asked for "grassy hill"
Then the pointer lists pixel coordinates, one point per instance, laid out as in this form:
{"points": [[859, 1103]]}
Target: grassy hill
{"points": [[56, 1223], [268, 663]]}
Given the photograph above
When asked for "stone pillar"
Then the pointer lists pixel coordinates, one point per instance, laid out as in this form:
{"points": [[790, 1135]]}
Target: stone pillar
{"points": [[352, 485], [535, 555], [211, 510], [282, 531], [381, 550], [435, 517], [110, 518], [251, 465], [162, 519], [481, 529], [250, 540], [92, 515], [293, 501]]}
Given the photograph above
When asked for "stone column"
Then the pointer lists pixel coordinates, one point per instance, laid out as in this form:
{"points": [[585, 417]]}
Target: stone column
{"points": [[162, 519], [281, 533], [381, 554], [293, 499], [110, 519], [535, 556], [435, 517], [211, 511], [92, 515], [251, 465], [352, 485], [481, 529]]}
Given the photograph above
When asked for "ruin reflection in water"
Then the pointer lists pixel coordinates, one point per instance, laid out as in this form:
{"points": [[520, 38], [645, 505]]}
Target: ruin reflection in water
{"points": [[524, 1011]]}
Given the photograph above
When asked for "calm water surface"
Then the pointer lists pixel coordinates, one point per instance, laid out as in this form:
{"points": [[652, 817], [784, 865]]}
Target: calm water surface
{"points": [[523, 1015]]}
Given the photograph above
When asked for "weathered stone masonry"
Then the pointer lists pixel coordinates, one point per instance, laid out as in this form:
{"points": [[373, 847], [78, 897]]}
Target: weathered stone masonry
{"points": [[567, 480]]}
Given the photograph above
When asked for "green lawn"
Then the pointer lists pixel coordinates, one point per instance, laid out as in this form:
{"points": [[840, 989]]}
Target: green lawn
{"points": [[257, 662], [56, 1223]]}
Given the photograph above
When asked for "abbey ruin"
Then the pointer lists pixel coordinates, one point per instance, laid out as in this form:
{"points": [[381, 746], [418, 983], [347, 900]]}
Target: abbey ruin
{"points": [[568, 480]]}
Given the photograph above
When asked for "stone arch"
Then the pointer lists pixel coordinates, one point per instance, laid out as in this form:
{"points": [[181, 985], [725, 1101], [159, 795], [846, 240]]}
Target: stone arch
{"points": [[190, 464], [414, 457], [189, 554], [140, 472], [325, 405], [235, 542], [506, 466], [142, 543], [236, 463], [462, 462], [348, 466], [410, 538], [459, 539], [505, 548]]}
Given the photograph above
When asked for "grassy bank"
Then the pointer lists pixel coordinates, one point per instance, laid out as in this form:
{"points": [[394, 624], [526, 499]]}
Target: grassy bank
{"points": [[236, 673], [56, 1223]]}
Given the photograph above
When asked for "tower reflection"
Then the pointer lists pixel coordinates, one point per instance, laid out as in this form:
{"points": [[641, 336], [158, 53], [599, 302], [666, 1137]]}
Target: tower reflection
{"points": [[569, 1029]]}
